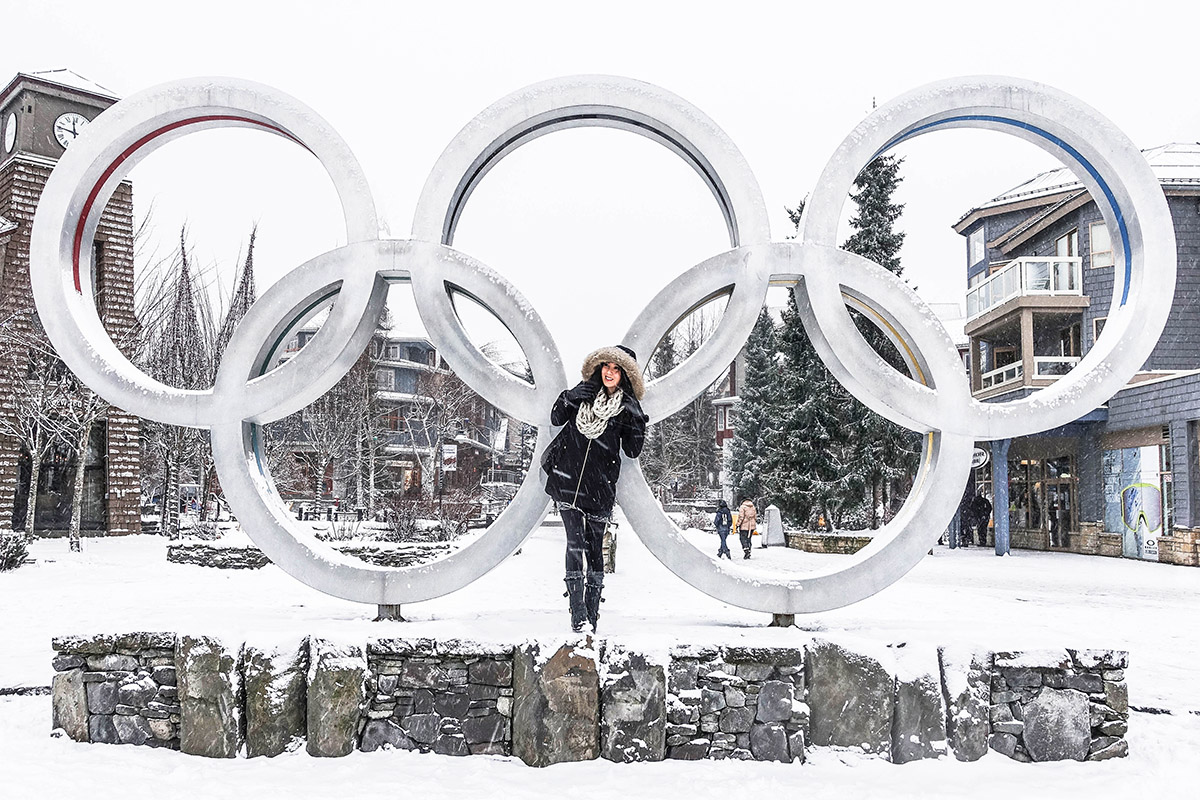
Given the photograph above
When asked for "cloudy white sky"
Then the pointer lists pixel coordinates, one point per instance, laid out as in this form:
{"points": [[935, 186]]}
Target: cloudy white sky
{"points": [[599, 208]]}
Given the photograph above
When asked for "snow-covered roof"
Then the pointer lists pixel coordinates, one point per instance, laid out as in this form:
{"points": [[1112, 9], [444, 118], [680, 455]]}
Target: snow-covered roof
{"points": [[954, 319], [72, 79], [1175, 164]]}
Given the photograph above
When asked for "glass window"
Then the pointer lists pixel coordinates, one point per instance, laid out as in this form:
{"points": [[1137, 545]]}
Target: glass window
{"points": [[385, 379], [1098, 327], [1067, 245], [1101, 244], [975, 247]]}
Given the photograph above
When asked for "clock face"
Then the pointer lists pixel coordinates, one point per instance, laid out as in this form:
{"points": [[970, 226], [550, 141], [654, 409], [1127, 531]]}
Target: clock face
{"points": [[69, 126], [10, 133]]}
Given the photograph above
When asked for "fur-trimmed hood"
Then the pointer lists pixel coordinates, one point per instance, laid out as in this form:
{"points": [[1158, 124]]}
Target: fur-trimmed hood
{"points": [[624, 358]]}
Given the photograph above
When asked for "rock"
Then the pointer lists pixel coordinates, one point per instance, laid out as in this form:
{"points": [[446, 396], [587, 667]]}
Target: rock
{"points": [[420, 674], [489, 728], [796, 745], [1116, 697], [769, 742], [967, 692], [276, 707], [711, 701], [451, 705], [132, 730], [774, 703], [850, 699], [423, 701], [1118, 749], [1116, 727], [734, 697], [69, 704], [138, 693], [736, 720], [556, 712], [102, 697], [162, 729], [337, 677], [111, 662], [1057, 725], [694, 750], [1022, 677], [165, 676], [63, 663], [384, 732], [919, 718], [754, 672], [208, 690], [1015, 727], [490, 671], [101, 729], [451, 744], [423, 728], [1004, 743], [1099, 659], [633, 707]]}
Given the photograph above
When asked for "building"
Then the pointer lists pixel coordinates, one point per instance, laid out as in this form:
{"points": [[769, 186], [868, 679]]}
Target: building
{"points": [[1120, 479], [430, 429], [40, 115]]}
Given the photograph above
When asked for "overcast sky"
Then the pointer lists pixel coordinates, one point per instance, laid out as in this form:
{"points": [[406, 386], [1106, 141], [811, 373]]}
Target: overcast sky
{"points": [[589, 225]]}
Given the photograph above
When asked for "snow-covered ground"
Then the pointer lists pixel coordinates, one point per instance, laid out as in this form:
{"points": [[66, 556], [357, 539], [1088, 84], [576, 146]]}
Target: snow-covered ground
{"points": [[964, 597]]}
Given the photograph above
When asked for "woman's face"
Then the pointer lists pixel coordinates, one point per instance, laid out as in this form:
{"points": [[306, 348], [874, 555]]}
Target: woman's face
{"points": [[610, 374]]}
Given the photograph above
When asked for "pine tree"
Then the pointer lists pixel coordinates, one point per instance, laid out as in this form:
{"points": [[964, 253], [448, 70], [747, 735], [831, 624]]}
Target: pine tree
{"points": [[754, 458], [882, 453], [660, 458]]}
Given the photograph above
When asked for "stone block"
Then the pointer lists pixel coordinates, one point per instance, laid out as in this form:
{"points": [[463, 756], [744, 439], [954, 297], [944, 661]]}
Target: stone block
{"points": [[424, 675], [633, 707], [385, 733], [1013, 726], [1057, 725], [711, 701], [276, 697], [62, 663], [132, 730], [1116, 697], [850, 698], [337, 678], [208, 697], [736, 720], [489, 728], [556, 714], [422, 728], [919, 718], [734, 697], [69, 704], [769, 742], [796, 745], [754, 672], [452, 705], [1005, 743], [694, 750], [137, 693], [968, 694], [490, 671], [162, 729], [101, 729], [1118, 749], [111, 662], [774, 702], [165, 676], [451, 744], [1099, 659], [1116, 727], [101, 697]]}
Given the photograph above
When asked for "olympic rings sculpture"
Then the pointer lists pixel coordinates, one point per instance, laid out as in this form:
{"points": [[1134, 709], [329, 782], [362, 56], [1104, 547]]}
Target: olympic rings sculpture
{"points": [[933, 399]]}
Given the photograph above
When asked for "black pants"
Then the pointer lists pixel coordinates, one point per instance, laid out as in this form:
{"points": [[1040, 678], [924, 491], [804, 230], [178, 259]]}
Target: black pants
{"points": [[744, 535], [585, 540]]}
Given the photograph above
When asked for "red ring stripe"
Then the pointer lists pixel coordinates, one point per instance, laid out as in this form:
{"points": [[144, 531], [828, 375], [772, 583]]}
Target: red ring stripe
{"points": [[77, 245]]}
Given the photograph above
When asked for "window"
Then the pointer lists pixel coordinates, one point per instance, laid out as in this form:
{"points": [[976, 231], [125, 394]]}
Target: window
{"points": [[1068, 341], [1098, 327], [975, 247], [385, 379], [720, 419], [1101, 244], [1067, 245]]}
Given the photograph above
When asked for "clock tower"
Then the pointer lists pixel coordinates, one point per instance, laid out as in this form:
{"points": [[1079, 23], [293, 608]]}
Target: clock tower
{"points": [[41, 113]]}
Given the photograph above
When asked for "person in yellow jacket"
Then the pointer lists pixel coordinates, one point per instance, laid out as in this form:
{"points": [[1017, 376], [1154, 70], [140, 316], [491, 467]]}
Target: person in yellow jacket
{"points": [[747, 521]]}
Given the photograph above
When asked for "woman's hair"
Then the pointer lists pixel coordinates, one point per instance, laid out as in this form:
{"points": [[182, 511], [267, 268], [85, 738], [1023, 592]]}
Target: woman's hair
{"points": [[624, 385]]}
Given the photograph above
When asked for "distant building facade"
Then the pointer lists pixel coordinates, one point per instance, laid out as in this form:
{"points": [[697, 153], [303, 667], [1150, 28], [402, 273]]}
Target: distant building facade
{"points": [[40, 114], [1124, 478]]}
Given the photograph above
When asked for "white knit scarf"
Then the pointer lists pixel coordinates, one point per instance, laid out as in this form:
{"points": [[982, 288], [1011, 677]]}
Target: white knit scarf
{"points": [[592, 418]]}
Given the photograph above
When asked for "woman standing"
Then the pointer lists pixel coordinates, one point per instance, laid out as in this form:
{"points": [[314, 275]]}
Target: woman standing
{"points": [[747, 522], [723, 522], [601, 418]]}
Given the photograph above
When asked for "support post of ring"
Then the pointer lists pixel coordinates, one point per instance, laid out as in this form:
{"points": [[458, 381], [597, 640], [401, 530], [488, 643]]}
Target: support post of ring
{"points": [[783, 621], [389, 612]]}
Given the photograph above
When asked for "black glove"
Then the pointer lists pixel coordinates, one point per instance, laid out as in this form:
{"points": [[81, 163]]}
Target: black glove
{"points": [[584, 391], [631, 404]]}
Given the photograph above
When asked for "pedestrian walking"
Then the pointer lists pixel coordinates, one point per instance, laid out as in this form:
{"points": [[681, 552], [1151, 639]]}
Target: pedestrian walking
{"points": [[723, 522], [601, 417], [981, 510], [747, 522]]}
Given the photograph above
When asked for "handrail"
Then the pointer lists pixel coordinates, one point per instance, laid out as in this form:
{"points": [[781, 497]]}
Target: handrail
{"points": [[1027, 275]]}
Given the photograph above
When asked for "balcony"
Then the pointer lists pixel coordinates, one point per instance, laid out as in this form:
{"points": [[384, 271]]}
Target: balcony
{"points": [[1046, 368], [1027, 277]]}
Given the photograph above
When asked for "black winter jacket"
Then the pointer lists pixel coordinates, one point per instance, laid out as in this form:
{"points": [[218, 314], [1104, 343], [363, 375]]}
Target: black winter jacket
{"points": [[583, 472]]}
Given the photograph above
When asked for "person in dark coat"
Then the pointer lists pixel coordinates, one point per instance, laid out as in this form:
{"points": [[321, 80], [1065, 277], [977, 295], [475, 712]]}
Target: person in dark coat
{"points": [[723, 522], [981, 511], [601, 417]]}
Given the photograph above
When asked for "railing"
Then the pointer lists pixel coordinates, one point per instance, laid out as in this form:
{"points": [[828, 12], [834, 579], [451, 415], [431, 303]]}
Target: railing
{"points": [[1001, 375], [1028, 275]]}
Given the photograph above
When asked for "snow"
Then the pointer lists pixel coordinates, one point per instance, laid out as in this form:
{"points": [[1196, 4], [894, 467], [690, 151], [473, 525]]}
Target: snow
{"points": [[967, 600]]}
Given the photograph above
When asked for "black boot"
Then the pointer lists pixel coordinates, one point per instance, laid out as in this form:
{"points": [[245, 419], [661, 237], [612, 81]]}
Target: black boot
{"points": [[574, 595], [747, 553], [592, 598]]}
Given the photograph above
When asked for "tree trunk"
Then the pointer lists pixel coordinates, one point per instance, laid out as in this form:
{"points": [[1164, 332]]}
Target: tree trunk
{"points": [[170, 508], [35, 469], [359, 460], [85, 432], [373, 457]]}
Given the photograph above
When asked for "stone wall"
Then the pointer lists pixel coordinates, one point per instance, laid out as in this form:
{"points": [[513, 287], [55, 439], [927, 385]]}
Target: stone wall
{"points": [[221, 556], [1182, 547], [585, 699], [841, 544]]}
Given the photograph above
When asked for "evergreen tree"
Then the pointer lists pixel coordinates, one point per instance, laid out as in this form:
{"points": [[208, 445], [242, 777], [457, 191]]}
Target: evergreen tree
{"points": [[660, 459], [882, 454], [754, 458]]}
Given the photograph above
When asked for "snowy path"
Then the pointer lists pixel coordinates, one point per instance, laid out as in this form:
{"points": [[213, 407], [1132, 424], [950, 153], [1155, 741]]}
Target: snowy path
{"points": [[964, 597]]}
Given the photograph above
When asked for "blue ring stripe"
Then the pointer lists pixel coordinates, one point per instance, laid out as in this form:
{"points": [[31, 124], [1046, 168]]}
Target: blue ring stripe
{"points": [[1079, 159]]}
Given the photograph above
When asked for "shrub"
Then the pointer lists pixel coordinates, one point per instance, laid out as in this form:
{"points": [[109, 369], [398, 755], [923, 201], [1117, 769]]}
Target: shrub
{"points": [[14, 549]]}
